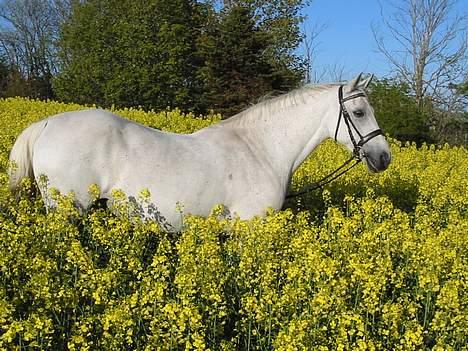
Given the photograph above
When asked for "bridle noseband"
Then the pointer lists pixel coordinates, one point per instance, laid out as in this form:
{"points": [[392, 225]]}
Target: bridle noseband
{"points": [[349, 123], [357, 146]]}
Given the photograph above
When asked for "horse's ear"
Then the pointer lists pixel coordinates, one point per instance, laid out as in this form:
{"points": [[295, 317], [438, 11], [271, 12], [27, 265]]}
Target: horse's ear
{"points": [[354, 84], [365, 83]]}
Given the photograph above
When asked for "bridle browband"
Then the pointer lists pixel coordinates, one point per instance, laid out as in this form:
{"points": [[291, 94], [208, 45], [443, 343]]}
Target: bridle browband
{"points": [[357, 146]]}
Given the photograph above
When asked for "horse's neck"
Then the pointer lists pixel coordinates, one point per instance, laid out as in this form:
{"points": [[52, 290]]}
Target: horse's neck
{"points": [[287, 135]]}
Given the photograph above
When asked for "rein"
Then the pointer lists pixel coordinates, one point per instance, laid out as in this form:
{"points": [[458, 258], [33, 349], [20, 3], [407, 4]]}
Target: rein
{"points": [[345, 167]]}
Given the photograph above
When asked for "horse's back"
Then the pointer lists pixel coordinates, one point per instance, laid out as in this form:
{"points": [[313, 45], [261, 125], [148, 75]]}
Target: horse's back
{"points": [[86, 147], [77, 149], [69, 124]]}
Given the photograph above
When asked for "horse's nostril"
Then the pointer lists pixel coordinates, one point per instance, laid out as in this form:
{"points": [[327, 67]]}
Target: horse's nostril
{"points": [[385, 159]]}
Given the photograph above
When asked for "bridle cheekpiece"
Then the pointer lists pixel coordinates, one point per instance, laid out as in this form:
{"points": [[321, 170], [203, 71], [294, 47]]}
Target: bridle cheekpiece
{"points": [[349, 123]]}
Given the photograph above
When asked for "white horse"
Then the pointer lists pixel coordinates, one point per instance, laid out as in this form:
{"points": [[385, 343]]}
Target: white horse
{"points": [[245, 162]]}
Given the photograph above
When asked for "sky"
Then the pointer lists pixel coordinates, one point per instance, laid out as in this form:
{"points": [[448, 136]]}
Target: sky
{"points": [[347, 41]]}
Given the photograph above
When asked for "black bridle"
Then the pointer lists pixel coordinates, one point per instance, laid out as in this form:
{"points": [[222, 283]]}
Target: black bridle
{"points": [[357, 145], [349, 123]]}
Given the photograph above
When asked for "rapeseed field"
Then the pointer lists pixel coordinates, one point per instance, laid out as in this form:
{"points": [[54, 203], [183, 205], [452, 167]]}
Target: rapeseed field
{"points": [[370, 262]]}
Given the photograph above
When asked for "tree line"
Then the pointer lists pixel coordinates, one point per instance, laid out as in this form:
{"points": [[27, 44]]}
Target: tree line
{"points": [[154, 54], [198, 56]]}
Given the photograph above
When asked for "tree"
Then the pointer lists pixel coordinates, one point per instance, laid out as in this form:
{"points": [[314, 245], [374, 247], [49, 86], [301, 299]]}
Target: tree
{"points": [[451, 122], [28, 38], [462, 88], [248, 52], [429, 57], [281, 20], [131, 53], [310, 45], [4, 77], [236, 71], [431, 45], [398, 112]]}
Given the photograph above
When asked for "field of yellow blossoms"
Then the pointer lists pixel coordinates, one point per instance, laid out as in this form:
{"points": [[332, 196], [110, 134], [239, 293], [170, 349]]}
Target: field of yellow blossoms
{"points": [[371, 262]]}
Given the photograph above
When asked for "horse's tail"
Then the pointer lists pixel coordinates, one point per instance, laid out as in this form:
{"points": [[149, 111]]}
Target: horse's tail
{"points": [[21, 155]]}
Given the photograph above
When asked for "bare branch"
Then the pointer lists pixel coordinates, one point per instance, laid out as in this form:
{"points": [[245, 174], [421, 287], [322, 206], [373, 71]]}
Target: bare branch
{"points": [[29, 32], [310, 46], [425, 32]]}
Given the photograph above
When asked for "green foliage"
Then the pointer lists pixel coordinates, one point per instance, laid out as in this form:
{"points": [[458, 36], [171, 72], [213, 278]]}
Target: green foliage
{"points": [[236, 70], [248, 53], [281, 20], [398, 113], [13, 83], [371, 262], [462, 89], [131, 53], [4, 73], [158, 54]]}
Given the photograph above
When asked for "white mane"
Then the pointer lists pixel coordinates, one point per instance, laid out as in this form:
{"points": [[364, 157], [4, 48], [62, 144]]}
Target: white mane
{"points": [[270, 105]]}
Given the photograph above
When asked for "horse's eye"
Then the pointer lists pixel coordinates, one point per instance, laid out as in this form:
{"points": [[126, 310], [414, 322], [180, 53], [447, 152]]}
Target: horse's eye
{"points": [[359, 113]]}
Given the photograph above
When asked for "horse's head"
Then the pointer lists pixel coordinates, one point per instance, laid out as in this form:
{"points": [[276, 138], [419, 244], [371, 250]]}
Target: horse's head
{"points": [[356, 126]]}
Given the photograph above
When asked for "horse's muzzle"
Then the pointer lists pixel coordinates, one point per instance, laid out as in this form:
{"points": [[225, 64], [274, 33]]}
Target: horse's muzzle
{"points": [[377, 162]]}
